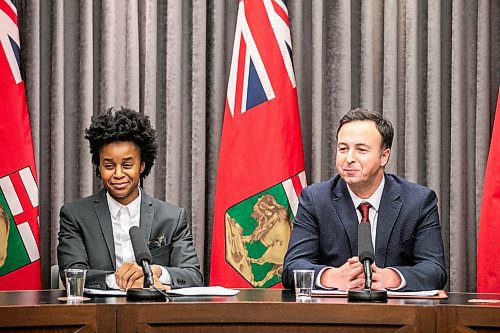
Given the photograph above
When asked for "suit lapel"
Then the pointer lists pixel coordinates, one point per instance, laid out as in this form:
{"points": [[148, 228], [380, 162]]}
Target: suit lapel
{"points": [[147, 214], [346, 213], [390, 206], [104, 218]]}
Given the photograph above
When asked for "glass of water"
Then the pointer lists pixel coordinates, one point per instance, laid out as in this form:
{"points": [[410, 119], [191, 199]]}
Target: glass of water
{"points": [[304, 280], [75, 282]]}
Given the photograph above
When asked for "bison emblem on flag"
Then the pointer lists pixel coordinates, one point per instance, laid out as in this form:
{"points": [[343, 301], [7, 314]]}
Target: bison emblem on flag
{"points": [[257, 231]]}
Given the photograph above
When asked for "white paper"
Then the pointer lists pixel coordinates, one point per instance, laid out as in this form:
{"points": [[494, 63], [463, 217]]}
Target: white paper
{"points": [[108, 292], [413, 293], [193, 291], [319, 292], [203, 291]]}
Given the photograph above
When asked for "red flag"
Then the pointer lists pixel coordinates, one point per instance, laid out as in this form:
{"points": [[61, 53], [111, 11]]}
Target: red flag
{"points": [[488, 242], [19, 229], [261, 162]]}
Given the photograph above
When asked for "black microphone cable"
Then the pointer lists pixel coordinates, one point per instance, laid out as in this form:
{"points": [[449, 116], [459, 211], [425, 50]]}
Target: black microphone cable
{"points": [[160, 291]]}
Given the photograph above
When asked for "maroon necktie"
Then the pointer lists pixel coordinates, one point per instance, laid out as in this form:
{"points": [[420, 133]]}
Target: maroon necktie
{"points": [[364, 208]]}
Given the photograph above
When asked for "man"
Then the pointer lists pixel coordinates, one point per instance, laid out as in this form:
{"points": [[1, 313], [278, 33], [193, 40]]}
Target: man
{"points": [[404, 218], [94, 232], [4, 235]]}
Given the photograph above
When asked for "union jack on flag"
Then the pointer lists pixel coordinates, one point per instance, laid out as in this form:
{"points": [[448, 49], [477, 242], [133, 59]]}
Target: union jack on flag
{"points": [[250, 82], [9, 36]]}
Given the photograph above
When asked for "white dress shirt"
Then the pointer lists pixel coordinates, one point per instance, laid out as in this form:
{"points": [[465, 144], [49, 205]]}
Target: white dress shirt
{"points": [[374, 201], [122, 219]]}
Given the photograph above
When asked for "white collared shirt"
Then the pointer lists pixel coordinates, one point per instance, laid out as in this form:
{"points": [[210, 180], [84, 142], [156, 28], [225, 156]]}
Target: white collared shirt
{"points": [[374, 201], [122, 219]]}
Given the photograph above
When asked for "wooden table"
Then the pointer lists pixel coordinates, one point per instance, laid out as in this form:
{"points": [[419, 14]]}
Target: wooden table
{"points": [[457, 314], [40, 311], [252, 310], [257, 310]]}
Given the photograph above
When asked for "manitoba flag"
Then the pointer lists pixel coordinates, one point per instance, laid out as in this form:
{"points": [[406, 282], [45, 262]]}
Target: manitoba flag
{"points": [[261, 162], [488, 243], [19, 228]]}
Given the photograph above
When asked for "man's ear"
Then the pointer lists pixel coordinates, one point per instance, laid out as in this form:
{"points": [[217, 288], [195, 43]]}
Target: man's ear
{"points": [[385, 157], [143, 166]]}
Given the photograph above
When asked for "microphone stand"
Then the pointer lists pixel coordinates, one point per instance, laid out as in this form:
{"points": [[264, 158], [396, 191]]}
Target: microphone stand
{"points": [[367, 294], [149, 290], [147, 293]]}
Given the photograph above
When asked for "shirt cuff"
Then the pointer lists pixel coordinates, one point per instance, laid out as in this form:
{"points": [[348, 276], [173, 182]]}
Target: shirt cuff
{"points": [[403, 280], [111, 281], [165, 277], [318, 279]]}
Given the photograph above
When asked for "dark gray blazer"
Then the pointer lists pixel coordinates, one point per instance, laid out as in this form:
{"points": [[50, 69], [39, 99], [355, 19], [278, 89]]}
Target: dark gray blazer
{"points": [[408, 232], [86, 240]]}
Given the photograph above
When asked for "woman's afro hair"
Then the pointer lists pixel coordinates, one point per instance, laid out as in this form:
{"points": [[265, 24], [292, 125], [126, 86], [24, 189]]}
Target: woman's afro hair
{"points": [[122, 125]]}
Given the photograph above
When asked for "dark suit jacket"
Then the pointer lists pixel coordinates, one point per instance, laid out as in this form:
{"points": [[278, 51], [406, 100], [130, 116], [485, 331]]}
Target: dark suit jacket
{"points": [[408, 232], [86, 240]]}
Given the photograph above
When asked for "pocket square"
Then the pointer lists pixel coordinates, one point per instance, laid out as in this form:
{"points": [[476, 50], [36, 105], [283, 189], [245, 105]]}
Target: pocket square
{"points": [[157, 242]]}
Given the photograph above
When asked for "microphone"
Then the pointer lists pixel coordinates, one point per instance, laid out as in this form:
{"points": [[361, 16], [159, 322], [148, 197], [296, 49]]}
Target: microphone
{"points": [[366, 256], [365, 251], [144, 259], [142, 255]]}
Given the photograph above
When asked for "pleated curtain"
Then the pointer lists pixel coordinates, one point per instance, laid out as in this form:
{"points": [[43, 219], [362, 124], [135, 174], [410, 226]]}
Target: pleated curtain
{"points": [[432, 67]]}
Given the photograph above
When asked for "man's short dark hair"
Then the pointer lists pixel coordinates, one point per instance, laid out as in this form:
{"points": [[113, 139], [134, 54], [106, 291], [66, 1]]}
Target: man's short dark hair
{"points": [[383, 124], [122, 125]]}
